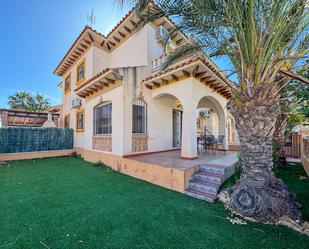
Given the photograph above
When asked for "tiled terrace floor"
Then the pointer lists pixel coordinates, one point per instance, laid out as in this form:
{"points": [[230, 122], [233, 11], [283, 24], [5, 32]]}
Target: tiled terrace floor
{"points": [[172, 159]]}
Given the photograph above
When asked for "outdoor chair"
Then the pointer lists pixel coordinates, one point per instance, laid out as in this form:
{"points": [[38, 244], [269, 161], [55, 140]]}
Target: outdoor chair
{"points": [[201, 143], [209, 143], [220, 142]]}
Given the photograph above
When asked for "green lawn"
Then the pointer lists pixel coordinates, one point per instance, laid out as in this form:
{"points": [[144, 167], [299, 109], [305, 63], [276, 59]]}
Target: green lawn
{"points": [[68, 203]]}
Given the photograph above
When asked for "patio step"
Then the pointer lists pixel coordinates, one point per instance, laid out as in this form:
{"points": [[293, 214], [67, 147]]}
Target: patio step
{"points": [[209, 177], [206, 182], [205, 187], [217, 169], [200, 195]]}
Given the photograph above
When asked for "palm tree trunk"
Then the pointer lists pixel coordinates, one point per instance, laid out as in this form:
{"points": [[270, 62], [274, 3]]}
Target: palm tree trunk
{"points": [[279, 137], [258, 193]]}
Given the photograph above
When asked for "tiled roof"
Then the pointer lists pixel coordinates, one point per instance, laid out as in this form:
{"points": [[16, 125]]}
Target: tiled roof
{"points": [[104, 71], [186, 62]]}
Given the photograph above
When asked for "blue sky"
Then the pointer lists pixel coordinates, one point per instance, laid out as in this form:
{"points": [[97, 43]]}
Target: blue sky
{"points": [[35, 36]]}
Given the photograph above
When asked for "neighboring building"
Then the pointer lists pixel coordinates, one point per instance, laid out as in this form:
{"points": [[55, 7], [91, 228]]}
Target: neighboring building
{"points": [[19, 118], [118, 99]]}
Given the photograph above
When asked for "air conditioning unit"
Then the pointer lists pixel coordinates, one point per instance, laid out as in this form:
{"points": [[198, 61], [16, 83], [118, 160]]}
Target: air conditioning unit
{"points": [[204, 112], [161, 33], [76, 103]]}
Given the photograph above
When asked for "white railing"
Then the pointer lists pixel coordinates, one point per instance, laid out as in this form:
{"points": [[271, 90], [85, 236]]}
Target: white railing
{"points": [[157, 63]]}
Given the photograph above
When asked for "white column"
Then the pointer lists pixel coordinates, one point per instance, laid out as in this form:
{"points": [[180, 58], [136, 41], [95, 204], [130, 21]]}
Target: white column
{"points": [[189, 139], [223, 130]]}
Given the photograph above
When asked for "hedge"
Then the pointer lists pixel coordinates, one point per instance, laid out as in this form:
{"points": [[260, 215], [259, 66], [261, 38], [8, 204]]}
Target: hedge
{"points": [[25, 139]]}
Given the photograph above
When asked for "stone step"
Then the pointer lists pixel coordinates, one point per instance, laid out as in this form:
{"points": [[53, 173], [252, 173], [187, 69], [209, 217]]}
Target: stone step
{"points": [[200, 195], [209, 177], [203, 186], [217, 169]]}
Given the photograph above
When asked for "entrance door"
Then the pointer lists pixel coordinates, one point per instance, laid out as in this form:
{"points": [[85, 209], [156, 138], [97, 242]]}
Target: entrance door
{"points": [[177, 127]]}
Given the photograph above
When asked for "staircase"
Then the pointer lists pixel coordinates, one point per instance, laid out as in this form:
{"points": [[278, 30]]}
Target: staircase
{"points": [[206, 182]]}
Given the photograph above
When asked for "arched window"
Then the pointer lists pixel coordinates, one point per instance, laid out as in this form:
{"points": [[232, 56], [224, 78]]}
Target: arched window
{"points": [[103, 119], [139, 116]]}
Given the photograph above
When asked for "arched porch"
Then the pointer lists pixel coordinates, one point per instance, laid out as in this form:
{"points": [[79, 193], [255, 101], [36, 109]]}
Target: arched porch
{"points": [[187, 98]]}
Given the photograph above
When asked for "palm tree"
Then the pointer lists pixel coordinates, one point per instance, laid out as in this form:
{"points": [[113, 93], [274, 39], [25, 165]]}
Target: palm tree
{"points": [[41, 103], [20, 101], [27, 102], [258, 37]]}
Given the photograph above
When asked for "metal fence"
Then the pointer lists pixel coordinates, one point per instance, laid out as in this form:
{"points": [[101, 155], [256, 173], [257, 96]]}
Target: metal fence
{"points": [[21, 139]]}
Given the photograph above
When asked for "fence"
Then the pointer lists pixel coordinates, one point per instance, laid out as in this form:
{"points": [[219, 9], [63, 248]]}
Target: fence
{"points": [[305, 154], [22, 139], [294, 149]]}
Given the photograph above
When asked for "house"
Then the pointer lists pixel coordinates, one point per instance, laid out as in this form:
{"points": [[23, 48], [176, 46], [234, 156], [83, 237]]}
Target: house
{"points": [[122, 104]]}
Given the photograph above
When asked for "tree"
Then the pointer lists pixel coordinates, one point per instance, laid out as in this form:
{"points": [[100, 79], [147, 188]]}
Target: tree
{"points": [[41, 103], [293, 111], [27, 102], [258, 37], [20, 101]]}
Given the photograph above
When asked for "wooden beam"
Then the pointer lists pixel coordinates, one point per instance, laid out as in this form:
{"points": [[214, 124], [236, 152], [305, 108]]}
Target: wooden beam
{"points": [[102, 43], [83, 46], [78, 53], [90, 37], [111, 43], [174, 36], [218, 88], [164, 81], [148, 86], [127, 29], [80, 50], [110, 80], [200, 74], [156, 84], [210, 81], [116, 39], [74, 56], [205, 78], [133, 23], [186, 73], [86, 41], [179, 41], [121, 34], [195, 70], [175, 77]]}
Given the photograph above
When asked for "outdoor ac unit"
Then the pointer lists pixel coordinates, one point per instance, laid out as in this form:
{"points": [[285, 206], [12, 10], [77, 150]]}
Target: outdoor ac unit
{"points": [[205, 112], [161, 33], [76, 103]]}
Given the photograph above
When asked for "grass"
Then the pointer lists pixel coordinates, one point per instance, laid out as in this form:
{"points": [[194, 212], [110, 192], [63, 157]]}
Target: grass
{"points": [[68, 203]]}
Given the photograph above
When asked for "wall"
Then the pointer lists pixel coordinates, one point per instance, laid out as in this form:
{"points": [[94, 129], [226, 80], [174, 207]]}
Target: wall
{"points": [[33, 155], [169, 178]]}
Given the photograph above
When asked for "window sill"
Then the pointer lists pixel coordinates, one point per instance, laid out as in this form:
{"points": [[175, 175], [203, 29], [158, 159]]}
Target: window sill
{"points": [[80, 130]]}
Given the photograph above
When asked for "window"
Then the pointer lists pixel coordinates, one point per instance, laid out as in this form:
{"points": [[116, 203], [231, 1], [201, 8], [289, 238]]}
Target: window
{"points": [[103, 119], [67, 84], [80, 72], [139, 116], [67, 121], [80, 120]]}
